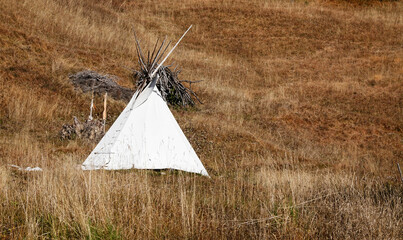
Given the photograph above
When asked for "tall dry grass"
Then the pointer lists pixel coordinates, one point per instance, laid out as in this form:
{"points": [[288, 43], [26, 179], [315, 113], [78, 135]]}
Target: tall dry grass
{"points": [[68, 203], [300, 128]]}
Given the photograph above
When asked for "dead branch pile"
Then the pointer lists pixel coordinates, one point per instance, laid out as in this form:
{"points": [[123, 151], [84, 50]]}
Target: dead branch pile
{"points": [[89, 81], [91, 130], [171, 88]]}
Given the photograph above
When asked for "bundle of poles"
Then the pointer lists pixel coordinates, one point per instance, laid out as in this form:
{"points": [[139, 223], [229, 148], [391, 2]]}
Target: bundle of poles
{"points": [[171, 88]]}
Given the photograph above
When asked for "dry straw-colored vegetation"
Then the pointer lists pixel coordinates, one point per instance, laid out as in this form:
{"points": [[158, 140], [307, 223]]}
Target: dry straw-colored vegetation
{"points": [[301, 126]]}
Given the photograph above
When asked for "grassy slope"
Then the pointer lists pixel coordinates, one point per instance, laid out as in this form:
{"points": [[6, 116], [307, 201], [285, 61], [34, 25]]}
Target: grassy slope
{"points": [[301, 127]]}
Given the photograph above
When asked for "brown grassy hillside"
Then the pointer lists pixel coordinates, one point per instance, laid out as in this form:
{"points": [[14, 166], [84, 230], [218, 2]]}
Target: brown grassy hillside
{"points": [[300, 130]]}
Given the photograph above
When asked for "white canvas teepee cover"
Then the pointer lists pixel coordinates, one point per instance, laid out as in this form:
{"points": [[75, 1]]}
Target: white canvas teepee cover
{"points": [[145, 136]]}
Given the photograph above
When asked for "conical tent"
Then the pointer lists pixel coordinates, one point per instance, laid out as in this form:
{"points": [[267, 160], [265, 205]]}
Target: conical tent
{"points": [[145, 136]]}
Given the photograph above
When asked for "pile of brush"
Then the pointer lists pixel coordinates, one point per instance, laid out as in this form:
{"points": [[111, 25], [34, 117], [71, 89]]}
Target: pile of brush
{"points": [[91, 81], [169, 85], [90, 130]]}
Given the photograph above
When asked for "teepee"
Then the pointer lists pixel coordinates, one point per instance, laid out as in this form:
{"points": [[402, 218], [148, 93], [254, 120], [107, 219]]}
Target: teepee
{"points": [[145, 136]]}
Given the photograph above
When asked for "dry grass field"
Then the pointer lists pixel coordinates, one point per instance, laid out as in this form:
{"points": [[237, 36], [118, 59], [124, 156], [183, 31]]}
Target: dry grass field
{"points": [[300, 130]]}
